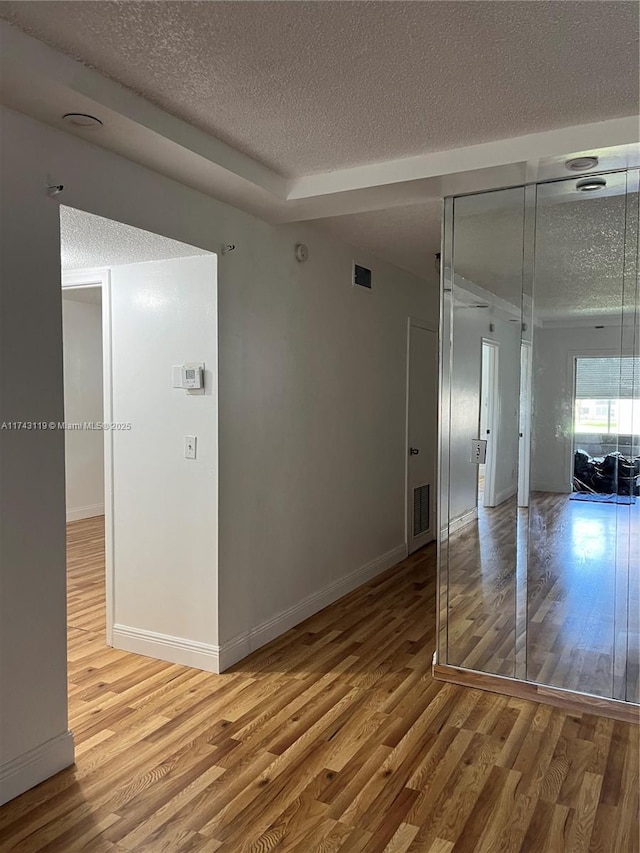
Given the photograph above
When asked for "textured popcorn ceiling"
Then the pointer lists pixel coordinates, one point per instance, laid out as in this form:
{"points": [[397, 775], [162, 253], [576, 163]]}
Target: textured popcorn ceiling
{"points": [[313, 86], [579, 261], [91, 241]]}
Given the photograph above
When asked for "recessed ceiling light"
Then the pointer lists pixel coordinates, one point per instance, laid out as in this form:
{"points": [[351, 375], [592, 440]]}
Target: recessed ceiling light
{"points": [[589, 185], [81, 120], [582, 164]]}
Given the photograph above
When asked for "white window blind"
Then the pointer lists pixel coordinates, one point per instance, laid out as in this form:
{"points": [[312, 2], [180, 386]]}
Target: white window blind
{"points": [[607, 378]]}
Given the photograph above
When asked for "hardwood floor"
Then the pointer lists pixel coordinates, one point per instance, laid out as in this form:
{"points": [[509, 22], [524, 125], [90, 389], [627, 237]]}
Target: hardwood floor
{"points": [[578, 624], [332, 738], [584, 606], [481, 620]]}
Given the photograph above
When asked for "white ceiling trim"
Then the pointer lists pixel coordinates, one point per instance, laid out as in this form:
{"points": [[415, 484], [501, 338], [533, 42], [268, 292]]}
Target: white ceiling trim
{"points": [[31, 55], [45, 84], [525, 151]]}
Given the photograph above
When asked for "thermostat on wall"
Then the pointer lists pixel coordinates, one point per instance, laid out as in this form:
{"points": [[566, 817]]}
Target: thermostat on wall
{"points": [[192, 377], [189, 376]]}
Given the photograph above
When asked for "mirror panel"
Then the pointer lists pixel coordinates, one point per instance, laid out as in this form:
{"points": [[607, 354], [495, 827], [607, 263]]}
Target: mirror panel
{"points": [[485, 326], [539, 551], [627, 619], [577, 562]]}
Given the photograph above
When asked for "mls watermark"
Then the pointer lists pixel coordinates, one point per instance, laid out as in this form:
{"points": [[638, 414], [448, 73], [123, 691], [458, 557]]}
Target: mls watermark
{"points": [[64, 425]]}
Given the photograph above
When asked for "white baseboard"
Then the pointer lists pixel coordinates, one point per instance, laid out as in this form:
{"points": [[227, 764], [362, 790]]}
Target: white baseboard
{"points": [[461, 521], [557, 488], [85, 512], [165, 647], [216, 659], [506, 494], [33, 767], [243, 644]]}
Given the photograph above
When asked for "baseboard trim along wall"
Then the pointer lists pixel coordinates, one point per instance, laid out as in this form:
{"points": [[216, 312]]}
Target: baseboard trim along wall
{"points": [[568, 700], [165, 647], [556, 488], [85, 512], [505, 494], [217, 659], [27, 770], [242, 645], [458, 523]]}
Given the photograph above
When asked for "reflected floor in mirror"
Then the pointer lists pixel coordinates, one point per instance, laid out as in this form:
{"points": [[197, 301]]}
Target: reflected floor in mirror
{"points": [[583, 567], [583, 571], [482, 592]]}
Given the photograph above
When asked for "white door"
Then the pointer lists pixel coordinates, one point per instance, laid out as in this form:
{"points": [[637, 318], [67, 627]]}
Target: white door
{"points": [[489, 417], [524, 446], [422, 407]]}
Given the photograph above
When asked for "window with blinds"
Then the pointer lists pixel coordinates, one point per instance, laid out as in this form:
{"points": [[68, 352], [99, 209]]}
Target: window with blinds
{"points": [[607, 397], [607, 378]]}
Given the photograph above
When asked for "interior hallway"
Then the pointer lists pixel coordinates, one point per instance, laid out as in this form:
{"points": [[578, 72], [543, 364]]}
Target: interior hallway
{"points": [[332, 738]]}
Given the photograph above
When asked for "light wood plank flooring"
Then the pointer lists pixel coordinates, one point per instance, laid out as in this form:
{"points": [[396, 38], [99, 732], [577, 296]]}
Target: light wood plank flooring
{"points": [[584, 595], [579, 564], [332, 738]]}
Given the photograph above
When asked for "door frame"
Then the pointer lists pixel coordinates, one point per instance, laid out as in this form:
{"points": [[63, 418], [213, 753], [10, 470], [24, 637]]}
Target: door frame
{"points": [[493, 411], [427, 326], [80, 280], [524, 443]]}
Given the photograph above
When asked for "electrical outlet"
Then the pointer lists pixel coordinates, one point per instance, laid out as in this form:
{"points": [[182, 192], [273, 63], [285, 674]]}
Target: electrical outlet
{"points": [[478, 451]]}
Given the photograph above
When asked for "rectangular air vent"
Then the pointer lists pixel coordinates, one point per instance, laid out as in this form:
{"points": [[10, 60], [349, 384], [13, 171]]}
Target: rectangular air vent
{"points": [[361, 276], [421, 512]]}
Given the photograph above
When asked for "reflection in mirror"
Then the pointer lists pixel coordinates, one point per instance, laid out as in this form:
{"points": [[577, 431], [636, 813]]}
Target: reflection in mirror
{"points": [[583, 512], [485, 322]]}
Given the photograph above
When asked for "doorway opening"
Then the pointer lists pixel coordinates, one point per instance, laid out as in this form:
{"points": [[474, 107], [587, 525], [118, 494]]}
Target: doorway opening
{"points": [[524, 433], [138, 310], [84, 414], [488, 425], [84, 397]]}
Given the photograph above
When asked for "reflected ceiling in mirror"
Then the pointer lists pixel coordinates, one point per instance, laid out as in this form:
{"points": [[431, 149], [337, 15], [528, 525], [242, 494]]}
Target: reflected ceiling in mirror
{"points": [[580, 265]]}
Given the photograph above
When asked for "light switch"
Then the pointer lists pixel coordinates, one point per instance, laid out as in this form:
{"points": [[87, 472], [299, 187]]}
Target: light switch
{"points": [[190, 442], [478, 451]]}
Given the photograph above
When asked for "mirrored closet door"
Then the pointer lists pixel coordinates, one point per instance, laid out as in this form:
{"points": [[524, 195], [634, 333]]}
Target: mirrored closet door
{"points": [[540, 423]]}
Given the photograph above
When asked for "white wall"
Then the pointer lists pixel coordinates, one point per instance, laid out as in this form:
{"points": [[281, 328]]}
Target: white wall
{"points": [[84, 449], [165, 507], [34, 741], [470, 326], [312, 429], [311, 407], [552, 384]]}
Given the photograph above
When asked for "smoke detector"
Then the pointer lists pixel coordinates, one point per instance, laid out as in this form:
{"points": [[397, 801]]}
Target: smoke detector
{"points": [[582, 164], [589, 185]]}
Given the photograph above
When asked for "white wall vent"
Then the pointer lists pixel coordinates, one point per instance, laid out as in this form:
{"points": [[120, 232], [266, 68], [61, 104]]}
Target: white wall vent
{"points": [[421, 513], [361, 276]]}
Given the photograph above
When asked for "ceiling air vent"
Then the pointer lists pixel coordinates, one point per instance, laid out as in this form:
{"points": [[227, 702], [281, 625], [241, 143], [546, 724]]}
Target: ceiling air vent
{"points": [[361, 276]]}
